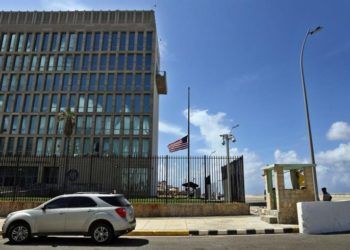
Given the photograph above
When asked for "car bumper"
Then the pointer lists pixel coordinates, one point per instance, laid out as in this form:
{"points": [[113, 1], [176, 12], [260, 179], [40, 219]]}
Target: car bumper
{"points": [[131, 227]]}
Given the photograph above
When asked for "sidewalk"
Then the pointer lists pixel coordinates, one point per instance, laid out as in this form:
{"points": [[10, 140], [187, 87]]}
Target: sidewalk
{"points": [[217, 225]]}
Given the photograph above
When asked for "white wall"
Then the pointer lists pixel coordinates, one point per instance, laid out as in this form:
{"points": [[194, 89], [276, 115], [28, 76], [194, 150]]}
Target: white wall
{"points": [[323, 217]]}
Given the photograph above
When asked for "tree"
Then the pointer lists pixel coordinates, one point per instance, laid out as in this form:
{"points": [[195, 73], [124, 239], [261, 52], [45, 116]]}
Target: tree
{"points": [[69, 118]]}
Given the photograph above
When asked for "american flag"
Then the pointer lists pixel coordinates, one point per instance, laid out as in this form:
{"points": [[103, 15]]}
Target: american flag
{"points": [[179, 144]]}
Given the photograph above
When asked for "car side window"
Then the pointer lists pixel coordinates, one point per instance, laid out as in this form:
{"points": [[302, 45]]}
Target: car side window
{"points": [[59, 203], [81, 202]]}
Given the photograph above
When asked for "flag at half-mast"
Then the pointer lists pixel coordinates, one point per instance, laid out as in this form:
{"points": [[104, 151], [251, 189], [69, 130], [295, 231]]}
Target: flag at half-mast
{"points": [[179, 144]]}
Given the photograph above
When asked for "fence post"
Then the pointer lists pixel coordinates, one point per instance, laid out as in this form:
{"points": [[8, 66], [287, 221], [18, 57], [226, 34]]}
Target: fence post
{"points": [[166, 179], [90, 174], [128, 167], [15, 180], [205, 177]]}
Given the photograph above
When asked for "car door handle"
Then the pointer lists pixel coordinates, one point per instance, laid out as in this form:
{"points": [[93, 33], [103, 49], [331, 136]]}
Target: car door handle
{"points": [[61, 213], [90, 210]]}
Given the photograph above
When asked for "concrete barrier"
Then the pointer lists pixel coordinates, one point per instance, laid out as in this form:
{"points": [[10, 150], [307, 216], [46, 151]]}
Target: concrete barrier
{"points": [[323, 217], [155, 210]]}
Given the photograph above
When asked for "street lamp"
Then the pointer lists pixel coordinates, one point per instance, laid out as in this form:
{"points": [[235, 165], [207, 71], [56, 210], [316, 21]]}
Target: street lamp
{"points": [[312, 154], [226, 138]]}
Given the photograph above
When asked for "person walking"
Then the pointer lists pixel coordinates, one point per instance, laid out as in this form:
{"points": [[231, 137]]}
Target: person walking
{"points": [[326, 195]]}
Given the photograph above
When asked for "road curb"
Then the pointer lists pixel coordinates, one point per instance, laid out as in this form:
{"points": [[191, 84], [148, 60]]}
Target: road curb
{"points": [[159, 233]]}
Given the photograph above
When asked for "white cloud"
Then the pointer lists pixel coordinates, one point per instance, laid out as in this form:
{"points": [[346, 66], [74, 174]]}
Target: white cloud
{"points": [[289, 157], [170, 129], [64, 5], [339, 131]]}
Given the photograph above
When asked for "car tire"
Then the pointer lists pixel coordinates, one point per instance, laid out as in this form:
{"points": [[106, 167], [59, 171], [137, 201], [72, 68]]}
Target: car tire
{"points": [[19, 233], [101, 233]]}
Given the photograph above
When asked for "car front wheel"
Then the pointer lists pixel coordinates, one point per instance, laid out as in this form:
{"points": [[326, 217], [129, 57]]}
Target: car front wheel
{"points": [[101, 233], [19, 233]]}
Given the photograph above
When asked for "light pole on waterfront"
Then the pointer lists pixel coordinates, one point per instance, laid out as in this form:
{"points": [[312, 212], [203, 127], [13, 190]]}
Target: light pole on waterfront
{"points": [[312, 154]]}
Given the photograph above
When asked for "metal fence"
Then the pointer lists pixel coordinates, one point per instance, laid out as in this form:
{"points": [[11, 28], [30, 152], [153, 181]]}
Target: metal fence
{"points": [[160, 179]]}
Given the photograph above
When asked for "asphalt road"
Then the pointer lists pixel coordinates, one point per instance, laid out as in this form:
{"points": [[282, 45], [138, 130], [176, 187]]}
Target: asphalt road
{"points": [[286, 241]]}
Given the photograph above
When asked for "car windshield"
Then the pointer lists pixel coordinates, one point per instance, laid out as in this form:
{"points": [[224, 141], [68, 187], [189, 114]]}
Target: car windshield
{"points": [[116, 201]]}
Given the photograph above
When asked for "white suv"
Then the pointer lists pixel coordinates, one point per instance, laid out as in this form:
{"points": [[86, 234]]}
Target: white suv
{"points": [[101, 216]]}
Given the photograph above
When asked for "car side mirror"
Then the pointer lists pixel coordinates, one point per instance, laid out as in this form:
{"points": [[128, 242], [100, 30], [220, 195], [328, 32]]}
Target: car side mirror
{"points": [[44, 208]]}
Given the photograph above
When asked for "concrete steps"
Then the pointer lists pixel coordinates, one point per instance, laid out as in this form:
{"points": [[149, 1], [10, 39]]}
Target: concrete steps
{"points": [[269, 216]]}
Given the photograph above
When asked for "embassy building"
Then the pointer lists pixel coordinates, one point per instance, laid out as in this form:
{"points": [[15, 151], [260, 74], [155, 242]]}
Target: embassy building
{"points": [[103, 65]]}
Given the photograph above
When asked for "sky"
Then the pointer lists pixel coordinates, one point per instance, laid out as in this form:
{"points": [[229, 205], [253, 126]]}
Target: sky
{"points": [[241, 60]]}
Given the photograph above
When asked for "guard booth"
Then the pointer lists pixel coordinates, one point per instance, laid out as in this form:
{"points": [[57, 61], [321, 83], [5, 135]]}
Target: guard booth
{"points": [[285, 185]]}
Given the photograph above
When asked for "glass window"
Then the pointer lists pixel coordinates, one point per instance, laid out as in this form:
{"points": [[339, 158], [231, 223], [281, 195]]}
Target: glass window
{"points": [[45, 103], [130, 63], [131, 46], [118, 103], [146, 103], [24, 125], [1, 102], [128, 83], [79, 41], [29, 42], [99, 103], [135, 147], [26, 107], [39, 82], [37, 41], [87, 146], [45, 42], [54, 42], [97, 41], [13, 83], [60, 62], [51, 63], [12, 41], [48, 83], [63, 42], [17, 63], [14, 129], [9, 103], [122, 41], [149, 40], [148, 61], [2, 145], [98, 125], [72, 40], [85, 62], [138, 82], [56, 82], [105, 151], [8, 62], [33, 122], [81, 103], [4, 83], [83, 82], [5, 124], [10, 144], [3, 41], [125, 147], [145, 148], [94, 62], [103, 62], [126, 125], [42, 125], [117, 125], [18, 104], [68, 65], [58, 147], [101, 81], [77, 62], [74, 82], [105, 41], [29, 146], [72, 103], [88, 41], [121, 61], [92, 84], [140, 41], [49, 146], [88, 125], [63, 103], [110, 82], [114, 41], [25, 63], [30, 84], [127, 106], [1, 58], [51, 127], [146, 125], [107, 125], [19, 148], [115, 147], [90, 107], [147, 82], [60, 127], [96, 147], [80, 125], [77, 146], [139, 58], [136, 125], [111, 62], [39, 146], [42, 63], [109, 103], [65, 83], [120, 82]]}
